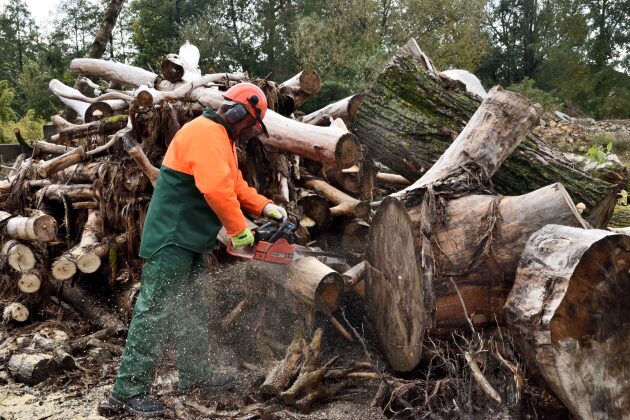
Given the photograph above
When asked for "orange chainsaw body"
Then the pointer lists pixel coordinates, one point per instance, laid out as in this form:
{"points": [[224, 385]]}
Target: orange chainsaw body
{"points": [[278, 252]]}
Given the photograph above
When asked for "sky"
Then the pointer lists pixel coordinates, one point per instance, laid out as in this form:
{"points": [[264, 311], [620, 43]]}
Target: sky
{"points": [[40, 9]]}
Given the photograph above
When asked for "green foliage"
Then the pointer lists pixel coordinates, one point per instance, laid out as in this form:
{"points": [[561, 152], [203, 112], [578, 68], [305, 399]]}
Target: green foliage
{"points": [[599, 153], [330, 92], [30, 126], [547, 100], [6, 98], [618, 142]]}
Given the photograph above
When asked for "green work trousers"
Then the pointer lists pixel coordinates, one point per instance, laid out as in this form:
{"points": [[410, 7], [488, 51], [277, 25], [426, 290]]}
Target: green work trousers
{"points": [[172, 303]]}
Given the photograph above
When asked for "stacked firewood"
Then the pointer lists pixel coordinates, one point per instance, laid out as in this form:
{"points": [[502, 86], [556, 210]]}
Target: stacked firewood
{"points": [[448, 251]]}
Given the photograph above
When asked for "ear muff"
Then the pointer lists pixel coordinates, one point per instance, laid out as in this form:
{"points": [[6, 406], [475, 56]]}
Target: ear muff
{"points": [[236, 113]]}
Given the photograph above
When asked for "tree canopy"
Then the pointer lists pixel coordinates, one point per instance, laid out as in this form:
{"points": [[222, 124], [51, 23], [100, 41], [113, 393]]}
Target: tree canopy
{"points": [[574, 50]]}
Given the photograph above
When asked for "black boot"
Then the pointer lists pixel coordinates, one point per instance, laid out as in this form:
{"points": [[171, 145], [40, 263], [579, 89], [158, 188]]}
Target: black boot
{"points": [[139, 405]]}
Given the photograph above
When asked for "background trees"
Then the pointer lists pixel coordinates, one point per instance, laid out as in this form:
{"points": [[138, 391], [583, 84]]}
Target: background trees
{"points": [[575, 50]]}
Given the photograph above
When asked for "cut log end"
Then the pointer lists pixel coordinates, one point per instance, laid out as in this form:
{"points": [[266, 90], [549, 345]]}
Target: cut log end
{"points": [[88, 262], [393, 286], [15, 312], [30, 282], [310, 81], [568, 309], [347, 151], [19, 256], [63, 269], [328, 291], [98, 111]]}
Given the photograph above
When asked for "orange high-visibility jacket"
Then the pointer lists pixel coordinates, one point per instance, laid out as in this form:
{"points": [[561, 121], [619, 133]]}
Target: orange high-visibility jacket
{"points": [[203, 149]]}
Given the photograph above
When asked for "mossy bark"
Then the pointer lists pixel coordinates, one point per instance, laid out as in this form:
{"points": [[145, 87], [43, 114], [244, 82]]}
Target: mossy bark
{"points": [[410, 116], [620, 217]]}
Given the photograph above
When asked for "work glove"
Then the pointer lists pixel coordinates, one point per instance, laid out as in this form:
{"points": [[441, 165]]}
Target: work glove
{"points": [[275, 212], [245, 238]]}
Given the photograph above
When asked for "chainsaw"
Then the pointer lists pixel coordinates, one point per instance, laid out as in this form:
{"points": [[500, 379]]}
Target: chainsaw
{"points": [[274, 243]]}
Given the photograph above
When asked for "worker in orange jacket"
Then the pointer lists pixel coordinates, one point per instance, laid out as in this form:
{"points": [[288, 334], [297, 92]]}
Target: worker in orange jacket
{"points": [[199, 190]]}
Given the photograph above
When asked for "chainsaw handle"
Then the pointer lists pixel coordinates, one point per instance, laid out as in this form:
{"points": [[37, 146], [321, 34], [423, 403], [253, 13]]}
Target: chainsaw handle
{"points": [[279, 232]]}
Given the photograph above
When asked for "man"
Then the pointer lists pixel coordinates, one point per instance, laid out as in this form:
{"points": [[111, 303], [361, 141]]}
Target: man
{"points": [[199, 189]]}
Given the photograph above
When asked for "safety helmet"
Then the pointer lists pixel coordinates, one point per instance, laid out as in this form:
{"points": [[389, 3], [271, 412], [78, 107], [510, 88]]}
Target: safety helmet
{"points": [[252, 98]]}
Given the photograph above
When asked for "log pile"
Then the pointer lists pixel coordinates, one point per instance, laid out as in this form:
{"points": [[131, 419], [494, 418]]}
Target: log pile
{"points": [[430, 192]]}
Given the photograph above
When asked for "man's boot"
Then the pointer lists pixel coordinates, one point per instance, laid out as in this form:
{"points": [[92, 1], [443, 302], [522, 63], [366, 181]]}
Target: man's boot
{"points": [[217, 382], [140, 405]]}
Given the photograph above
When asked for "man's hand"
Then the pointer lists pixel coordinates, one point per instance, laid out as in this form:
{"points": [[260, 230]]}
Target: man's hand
{"points": [[275, 212], [245, 238]]}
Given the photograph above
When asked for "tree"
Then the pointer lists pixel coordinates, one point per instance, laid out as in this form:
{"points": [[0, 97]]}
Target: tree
{"points": [[104, 34], [609, 27], [19, 38]]}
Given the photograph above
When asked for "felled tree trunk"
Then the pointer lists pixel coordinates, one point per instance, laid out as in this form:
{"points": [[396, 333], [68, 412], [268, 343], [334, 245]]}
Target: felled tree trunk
{"points": [[18, 255], [15, 312], [85, 254], [479, 247], [568, 311], [298, 89], [410, 116], [345, 205], [112, 71], [399, 286], [38, 227], [346, 109], [32, 368], [310, 280]]}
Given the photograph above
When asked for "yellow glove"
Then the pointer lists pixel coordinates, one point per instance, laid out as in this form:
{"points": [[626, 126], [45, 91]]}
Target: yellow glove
{"points": [[245, 238], [275, 212]]}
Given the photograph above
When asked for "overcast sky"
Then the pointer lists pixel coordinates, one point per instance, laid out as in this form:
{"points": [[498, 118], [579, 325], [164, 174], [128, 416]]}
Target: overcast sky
{"points": [[40, 9]]}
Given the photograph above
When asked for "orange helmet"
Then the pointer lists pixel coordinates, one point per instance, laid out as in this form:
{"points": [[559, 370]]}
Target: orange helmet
{"points": [[251, 96]]}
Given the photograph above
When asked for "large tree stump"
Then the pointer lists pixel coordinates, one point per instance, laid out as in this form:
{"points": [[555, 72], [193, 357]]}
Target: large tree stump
{"points": [[569, 312], [410, 116]]}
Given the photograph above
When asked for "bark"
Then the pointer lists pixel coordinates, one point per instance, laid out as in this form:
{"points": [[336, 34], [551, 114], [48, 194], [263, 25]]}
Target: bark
{"points": [[285, 371], [85, 254], [310, 280], [479, 246], [354, 275], [298, 89], [410, 117], [46, 148], [145, 165], [112, 71], [15, 312], [19, 256], [38, 227], [32, 368], [81, 173], [105, 30], [46, 168], [102, 127], [568, 311], [73, 192], [346, 109], [345, 205]]}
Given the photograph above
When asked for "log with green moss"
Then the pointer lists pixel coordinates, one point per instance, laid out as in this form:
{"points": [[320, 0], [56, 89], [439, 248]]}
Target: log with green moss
{"points": [[412, 114], [620, 217]]}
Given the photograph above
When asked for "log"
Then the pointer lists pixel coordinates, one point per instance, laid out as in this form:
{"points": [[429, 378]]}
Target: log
{"points": [[145, 165], [310, 280], [394, 294], [568, 311], [19, 256], [479, 247], [494, 131], [410, 116], [63, 268], [32, 368], [49, 167], [298, 89], [73, 192], [102, 127], [345, 205], [285, 371], [317, 209], [104, 109], [346, 109], [81, 172], [46, 148], [15, 312], [30, 281], [354, 275], [64, 91], [332, 145], [392, 179], [85, 254], [38, 227], [112, 71]]}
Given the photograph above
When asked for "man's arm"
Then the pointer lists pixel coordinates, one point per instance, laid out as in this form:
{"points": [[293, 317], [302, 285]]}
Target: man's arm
{"points": [[212, 177], [249, 197]]}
